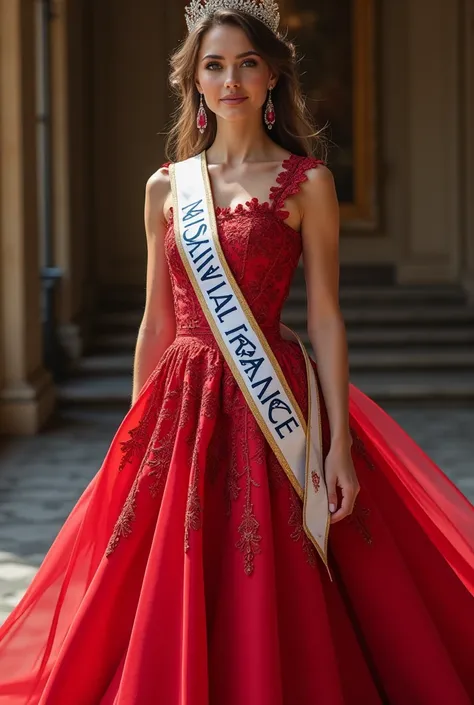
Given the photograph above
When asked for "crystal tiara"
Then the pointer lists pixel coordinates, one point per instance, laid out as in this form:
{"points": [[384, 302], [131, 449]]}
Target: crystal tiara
{"points": [[266, 11]]}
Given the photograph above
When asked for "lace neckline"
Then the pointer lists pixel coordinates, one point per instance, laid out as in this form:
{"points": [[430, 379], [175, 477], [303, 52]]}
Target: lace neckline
{"points": [[254, 203], [288, 182]]}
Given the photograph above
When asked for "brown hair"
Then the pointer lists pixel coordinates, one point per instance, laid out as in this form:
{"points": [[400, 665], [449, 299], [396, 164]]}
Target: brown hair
{"points": [[294, 129]]}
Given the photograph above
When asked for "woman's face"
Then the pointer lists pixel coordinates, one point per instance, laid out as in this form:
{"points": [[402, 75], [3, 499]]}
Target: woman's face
{"points": [[231, 74]]}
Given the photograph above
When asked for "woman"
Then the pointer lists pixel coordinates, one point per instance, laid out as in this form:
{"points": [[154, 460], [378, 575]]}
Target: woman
{"points": [[191, 572]]}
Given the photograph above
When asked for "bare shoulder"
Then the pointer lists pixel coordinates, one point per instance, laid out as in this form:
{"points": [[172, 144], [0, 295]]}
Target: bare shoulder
{"points": [[318, 196], [158, 193], [320, 207], [320, 183]]}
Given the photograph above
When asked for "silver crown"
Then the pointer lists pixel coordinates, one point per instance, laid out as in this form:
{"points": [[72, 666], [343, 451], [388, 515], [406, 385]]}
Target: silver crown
{"points": [[266, 11]]}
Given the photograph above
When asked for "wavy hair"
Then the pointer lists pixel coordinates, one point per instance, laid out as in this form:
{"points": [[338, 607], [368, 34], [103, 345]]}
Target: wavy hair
{"points": [[294, 129]]}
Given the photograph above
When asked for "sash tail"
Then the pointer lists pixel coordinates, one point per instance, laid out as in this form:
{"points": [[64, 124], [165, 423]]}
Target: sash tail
{"points": [[316, 515]]}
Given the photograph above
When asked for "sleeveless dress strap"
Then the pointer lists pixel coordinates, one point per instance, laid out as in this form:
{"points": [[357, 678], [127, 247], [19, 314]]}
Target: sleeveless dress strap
{"points": [[293, 174]]}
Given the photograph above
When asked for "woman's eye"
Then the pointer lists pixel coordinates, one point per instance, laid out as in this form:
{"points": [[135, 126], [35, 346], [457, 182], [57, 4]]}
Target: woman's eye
{"points": [[215, 66]]}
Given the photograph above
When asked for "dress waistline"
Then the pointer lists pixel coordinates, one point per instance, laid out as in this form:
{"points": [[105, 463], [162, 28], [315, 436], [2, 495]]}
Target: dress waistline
{"points": [[269, 331]]}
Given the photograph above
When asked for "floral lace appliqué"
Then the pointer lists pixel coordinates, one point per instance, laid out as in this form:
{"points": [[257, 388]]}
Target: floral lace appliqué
{"points": [[298, 534], [123, 526], [359, 449], [239, 470], [139, 439], [193, 519], [359, 519]]}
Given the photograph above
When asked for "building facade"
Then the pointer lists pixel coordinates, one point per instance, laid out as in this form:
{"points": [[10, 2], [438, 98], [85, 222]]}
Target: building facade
{"points": [[82, 128]]}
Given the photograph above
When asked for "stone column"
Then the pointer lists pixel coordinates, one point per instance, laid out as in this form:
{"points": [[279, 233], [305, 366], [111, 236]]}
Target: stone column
{"points": [[72, 156], [68, 332], [431, 247], [26, 390]]}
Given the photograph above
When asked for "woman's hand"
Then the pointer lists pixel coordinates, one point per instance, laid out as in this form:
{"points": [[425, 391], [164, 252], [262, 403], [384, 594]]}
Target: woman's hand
{"points": [[340, 473]]}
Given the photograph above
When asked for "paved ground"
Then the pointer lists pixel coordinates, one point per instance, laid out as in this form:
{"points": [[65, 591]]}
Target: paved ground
{"points": [[42, 477]]}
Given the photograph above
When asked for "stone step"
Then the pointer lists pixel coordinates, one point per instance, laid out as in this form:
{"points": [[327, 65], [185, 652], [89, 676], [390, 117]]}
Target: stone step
{"points": [[112, 363], [116, 342], [416, 386], [107, 320], [393, 296], [380, 385], [434, 359], [357, 316], [105, 390], [398, 338], [378, 337]]}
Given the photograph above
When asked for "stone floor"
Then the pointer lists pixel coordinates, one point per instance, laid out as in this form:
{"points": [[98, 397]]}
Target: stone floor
{"points": [[42, 477]]}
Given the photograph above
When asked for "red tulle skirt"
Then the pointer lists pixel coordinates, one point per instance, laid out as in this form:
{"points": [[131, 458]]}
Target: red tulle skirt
{"points": [[183, 575]]}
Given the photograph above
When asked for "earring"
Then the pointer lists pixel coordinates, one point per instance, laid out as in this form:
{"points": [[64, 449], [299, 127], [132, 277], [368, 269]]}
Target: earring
{"points": [[270, 117], [201, 119]]}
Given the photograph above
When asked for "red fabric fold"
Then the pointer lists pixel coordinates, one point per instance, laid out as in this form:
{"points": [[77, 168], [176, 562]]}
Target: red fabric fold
{"points": [[437, 504]]}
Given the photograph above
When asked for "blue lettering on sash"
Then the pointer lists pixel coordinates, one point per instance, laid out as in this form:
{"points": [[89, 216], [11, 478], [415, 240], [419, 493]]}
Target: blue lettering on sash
{"points": [[287, 424], [210, 273], [242, 327], [224, 314], [192, 210], [204, 264], [276, 404], [266, 382], [195, 245], [221, 302], [251, 367], [272, 396], [200, 231], [243, 347], [203, 254], [215, 288]]}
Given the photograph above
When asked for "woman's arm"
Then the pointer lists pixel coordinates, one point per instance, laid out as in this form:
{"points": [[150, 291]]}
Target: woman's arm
{"points": [[320, 234], [158, 327]]}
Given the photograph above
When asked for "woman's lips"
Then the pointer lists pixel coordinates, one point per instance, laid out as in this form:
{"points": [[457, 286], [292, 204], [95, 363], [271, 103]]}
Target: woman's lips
{"points": [[233, 100]]}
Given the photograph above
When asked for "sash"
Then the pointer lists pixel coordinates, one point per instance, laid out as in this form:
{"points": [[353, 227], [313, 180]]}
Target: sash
{"points": [[297, 445]]}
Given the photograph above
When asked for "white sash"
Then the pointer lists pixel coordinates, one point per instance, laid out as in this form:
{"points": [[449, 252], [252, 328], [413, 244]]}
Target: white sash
{"points": [[297, 446]]}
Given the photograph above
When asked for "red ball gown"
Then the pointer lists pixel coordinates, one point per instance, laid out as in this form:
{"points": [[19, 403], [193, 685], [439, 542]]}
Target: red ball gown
{"points": [[183, 575]]}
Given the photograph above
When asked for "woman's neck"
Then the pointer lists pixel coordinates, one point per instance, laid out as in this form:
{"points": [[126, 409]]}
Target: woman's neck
{"points": [[239, 142]]}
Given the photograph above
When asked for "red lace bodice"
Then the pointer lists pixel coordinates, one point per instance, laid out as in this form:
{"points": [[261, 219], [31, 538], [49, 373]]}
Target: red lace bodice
{"points": [[261, 250]]}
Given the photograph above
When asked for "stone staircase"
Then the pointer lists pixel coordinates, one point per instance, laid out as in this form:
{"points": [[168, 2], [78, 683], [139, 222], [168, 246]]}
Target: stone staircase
{"points": [[406, 343]]}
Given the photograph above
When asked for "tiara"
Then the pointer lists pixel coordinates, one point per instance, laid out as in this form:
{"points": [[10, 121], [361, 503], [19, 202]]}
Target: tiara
{"points": [[266, 11]]}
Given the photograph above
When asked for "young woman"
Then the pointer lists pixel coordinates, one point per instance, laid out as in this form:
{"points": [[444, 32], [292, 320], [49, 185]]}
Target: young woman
{"points": [[195, 569]]}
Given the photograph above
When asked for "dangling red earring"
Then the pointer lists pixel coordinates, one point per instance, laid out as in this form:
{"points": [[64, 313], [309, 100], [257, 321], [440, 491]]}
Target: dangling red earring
{"points": [[201, 120], [270, 117]]}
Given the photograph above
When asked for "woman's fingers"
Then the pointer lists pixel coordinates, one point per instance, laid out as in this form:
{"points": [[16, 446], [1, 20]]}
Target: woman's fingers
{"points": [[332, 495], [349, 492]]}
